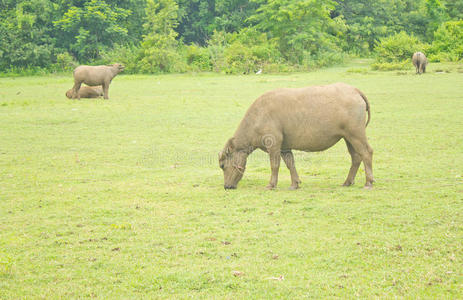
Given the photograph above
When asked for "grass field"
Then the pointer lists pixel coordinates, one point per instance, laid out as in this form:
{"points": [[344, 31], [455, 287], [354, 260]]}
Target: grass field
{"points": [[124, 198]]}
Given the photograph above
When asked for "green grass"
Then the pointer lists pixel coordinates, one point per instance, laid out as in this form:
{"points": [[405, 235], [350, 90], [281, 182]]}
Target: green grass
{"points": [[124, 198]]}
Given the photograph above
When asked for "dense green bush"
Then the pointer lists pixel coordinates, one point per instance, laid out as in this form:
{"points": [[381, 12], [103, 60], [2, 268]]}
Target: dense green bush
{"points": [[64, 62], [398, 48], [216, 47], [160, 56], [239, 59], [22, 50], [198, 58], [391, 66], [448, 42], [324, 59], [127, 55], [159, 49], [249, 51]]}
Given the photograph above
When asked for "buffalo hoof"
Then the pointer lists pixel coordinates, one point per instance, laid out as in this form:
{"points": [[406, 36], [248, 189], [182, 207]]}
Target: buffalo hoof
{"points": [[293, 187], [270, 187], [229, 187], [348, 183], [368, 186]]}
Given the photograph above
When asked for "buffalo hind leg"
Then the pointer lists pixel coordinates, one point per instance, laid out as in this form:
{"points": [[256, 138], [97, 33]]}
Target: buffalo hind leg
{"points": [[362, 148], [356, 160], [288, 158]]}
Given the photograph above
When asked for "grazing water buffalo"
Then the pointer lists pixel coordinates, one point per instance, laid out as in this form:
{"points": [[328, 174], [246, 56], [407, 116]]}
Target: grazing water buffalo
{"points": [[419, 61], [87, 92], [308, 119], [95, 75]]}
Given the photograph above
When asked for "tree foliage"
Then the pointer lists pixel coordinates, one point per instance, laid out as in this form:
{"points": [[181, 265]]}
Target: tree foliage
{"points": [[25, 39], [448, 42], [233, 36], [92, 28], [158, 49], [302, 29]]}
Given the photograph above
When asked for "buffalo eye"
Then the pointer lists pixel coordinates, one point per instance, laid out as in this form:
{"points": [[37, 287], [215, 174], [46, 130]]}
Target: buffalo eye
{"points": [[222, 166]]}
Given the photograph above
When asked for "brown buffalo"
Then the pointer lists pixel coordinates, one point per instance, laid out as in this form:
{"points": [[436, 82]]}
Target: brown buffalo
{"points": [[308, 119], [420, 62], [87, 92], [95, 75]]}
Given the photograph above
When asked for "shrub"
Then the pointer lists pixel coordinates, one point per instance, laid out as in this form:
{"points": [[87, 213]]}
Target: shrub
{"points": [[127, 55], [160, 49], [239, 59], [198, 58], [248, 51], [398, 48], [391, 66], [64, 62], [358, 71], [448, 42], [324, 59], [159, 54], [216, 47]]}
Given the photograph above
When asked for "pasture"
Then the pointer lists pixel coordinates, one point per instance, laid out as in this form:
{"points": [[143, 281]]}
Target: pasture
{"points": [[123, 198]]}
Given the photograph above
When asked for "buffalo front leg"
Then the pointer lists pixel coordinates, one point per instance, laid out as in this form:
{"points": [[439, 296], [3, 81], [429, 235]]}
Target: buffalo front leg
{"points": [[356, 160], [106, 90], [75, 90], [274, 155], [288, 158]]}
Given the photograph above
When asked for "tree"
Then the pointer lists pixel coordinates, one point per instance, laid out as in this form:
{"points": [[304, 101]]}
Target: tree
{"points": [[159, 44], [134, 21], [369, 21], [89, 29], [436, 15], [454, 8], [26, 41], [231, 15], [302, 28], [196, 20], [448, 42], [199, 18]]}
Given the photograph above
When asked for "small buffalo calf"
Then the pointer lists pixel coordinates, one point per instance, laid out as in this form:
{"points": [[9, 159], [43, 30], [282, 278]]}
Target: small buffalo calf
{"points": [[87, 92]]}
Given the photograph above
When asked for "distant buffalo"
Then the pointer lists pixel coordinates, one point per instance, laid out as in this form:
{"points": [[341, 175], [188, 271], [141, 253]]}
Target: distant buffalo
{"points": [[87, 92], [419, 61], [308, 119], [95, 75]]}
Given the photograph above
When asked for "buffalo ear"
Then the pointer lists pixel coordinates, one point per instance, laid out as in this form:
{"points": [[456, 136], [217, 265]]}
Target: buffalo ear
{"points": [[227, 150], [221, 156], [229, 146]]}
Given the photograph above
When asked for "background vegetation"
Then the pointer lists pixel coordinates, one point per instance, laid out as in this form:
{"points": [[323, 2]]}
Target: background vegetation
{"points": [[124, 198], [229, 36]]}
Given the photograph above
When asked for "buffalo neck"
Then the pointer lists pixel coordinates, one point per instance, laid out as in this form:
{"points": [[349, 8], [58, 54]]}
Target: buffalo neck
{"points": [[114, 71], [242, 137]]}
